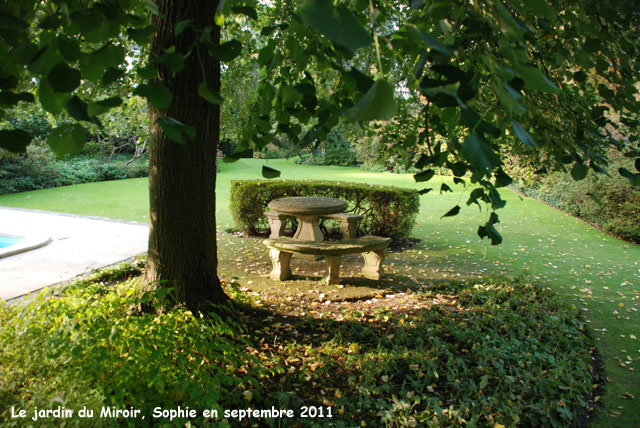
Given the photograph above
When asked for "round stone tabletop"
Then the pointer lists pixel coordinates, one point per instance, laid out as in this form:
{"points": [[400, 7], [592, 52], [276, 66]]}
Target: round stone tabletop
{"points": [[307, 205]]}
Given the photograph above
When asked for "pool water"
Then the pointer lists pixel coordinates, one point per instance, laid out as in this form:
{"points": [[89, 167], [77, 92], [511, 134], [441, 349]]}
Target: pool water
{"points": [[6, 241]]}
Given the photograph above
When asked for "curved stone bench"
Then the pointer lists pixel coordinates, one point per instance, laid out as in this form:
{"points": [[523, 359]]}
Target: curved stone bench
{"points": [[372, 248], [348, 223]]}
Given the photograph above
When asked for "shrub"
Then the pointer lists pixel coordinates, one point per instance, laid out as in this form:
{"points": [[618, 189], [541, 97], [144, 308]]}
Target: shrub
{"points": [[336, 150], [387, 211], [612, 203], [87, 345], [40, 169]]}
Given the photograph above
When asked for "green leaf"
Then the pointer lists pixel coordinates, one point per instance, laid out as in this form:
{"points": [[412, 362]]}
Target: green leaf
{"points": [[153, 7], [425, 160], [63, 78], [496, 200], [475, 195], [475, 123], [141, 36], [69, 48], [265, 55], [107, 56], [173, 60], [592, 45], [103, 106], [15, 140], [176, 130], [77, 109], [489, 231], [633, 178], [535, 79], [87, 20], [458, 168], [147, 73], [637, 164], [502, 179], [9, 99], [362, 82], [269, 172], [181, 26], [579, 171], [8, 82], [337, 23], [269, 29], [542, 8], [246, 11], [425, 175], [51, 101], [231, 158], [522, 134], [290, 95], [158, 95], [206, 35], [209, 93], [226, 51], [580, 76], [479, 154], [452, 212], [11, 26], [377, 104], [433, 43], [111, 75], [67, 139]]}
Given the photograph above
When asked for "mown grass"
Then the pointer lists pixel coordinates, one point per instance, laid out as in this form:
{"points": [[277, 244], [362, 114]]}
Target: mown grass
{"points": [[598, 274]]}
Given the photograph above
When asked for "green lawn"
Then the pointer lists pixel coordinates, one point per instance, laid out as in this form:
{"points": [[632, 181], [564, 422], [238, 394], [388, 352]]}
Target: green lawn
{"points": [[599, 274]]}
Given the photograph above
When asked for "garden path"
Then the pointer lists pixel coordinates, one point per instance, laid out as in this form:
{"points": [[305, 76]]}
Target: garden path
{"points": [[78, 246]]}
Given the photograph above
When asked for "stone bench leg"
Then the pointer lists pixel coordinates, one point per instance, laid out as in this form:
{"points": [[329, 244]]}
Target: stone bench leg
{"points": [[349, 228], [277, 223], [333, 269], [373, 263], [281, 264]]}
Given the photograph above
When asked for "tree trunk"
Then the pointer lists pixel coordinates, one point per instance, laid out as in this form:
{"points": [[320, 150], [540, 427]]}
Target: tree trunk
{"points": [[182, 177]]}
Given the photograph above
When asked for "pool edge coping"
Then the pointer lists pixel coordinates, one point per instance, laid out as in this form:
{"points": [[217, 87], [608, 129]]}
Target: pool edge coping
{"points": [[28, 243]]}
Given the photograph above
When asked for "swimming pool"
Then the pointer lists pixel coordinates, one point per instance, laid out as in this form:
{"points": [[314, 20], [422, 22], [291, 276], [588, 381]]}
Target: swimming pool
{"points": [[12, 245], [6, 241]]}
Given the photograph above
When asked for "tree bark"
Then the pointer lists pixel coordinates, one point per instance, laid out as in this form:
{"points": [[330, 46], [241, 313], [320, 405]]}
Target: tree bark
{"points": [[182, 177]]}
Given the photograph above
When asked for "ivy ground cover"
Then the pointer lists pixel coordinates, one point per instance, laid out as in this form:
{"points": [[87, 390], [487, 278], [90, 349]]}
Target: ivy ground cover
{"points": [[494, 352], [596, 273]]}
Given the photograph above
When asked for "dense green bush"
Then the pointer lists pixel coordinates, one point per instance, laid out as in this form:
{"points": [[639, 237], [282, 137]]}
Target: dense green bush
{"points": [[32, 121], [40, 169], [89, 346], [609, 202], [386, 210], [336, 150]]}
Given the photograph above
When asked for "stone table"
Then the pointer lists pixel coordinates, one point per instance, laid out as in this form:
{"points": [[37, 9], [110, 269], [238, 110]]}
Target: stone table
{"points": [[308, 210]]}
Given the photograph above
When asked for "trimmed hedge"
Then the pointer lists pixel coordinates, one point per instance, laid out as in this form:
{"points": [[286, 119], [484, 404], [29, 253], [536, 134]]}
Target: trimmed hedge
{"points": [[386, 210]]}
